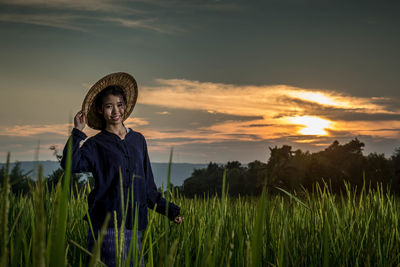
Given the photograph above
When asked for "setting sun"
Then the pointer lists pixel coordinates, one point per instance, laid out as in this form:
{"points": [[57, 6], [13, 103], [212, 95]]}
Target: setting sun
{"points": [[312, 125]]}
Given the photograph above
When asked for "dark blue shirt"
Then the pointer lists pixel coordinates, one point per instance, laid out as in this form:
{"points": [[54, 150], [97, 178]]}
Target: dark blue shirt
{"points": [[105, 155]]}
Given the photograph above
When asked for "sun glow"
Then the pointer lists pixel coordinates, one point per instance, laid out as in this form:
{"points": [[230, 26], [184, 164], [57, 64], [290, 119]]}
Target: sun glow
{"points": [[312, 125], [320, 98]]}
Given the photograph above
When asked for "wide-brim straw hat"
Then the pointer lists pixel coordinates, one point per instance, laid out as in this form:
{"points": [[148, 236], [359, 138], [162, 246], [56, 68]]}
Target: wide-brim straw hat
{"points": [[121, 79]]}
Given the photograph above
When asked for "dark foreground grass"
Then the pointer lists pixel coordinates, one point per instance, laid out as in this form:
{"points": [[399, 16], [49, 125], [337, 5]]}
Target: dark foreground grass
{"points": [[320, 229]]}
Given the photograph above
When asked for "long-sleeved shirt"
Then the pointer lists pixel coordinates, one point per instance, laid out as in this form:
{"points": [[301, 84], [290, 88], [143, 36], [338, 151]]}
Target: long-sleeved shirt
{"points": [[105, 155]]}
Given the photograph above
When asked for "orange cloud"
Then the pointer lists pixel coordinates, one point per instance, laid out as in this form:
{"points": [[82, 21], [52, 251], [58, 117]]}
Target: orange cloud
{"points": [[29, 130], [269, 102], [60, 129]]}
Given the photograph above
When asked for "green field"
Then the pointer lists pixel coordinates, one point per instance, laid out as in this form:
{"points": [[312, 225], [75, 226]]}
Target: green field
{"points": [[312, 229]]}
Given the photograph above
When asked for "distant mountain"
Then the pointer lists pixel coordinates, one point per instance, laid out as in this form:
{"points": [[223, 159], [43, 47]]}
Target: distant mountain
{"points": [[179, 171]]}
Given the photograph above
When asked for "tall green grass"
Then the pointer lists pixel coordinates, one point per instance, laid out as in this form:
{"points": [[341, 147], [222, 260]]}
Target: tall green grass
{"points": [[316, 229]]}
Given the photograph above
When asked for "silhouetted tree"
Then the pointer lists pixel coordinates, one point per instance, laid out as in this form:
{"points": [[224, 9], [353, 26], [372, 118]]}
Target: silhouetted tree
{"points": [[204, 181], [294, 170], [18, 180], [395, 160]]}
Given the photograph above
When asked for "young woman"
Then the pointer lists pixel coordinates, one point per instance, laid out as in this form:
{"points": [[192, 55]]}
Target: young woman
{"points": [[115, 152]]}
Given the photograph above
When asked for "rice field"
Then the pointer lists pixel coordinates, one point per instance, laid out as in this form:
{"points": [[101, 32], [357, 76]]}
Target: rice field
{"points": [[308, 229]]}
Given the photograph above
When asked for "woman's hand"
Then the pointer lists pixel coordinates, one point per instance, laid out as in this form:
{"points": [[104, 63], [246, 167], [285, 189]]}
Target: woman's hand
{"points": [[178, 219], [80, 120]]}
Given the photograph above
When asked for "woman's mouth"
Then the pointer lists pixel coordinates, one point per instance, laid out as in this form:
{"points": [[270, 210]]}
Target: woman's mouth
{"points": [[115, 118]]}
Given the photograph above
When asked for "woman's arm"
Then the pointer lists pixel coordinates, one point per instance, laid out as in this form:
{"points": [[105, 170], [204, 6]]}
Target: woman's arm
{"points": [[154, 198], [82, 157]]}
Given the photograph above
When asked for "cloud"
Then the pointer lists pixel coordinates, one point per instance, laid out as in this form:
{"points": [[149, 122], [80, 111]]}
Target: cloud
{"points": [[388, 103], [163, 113], [86, 5], [144, 24], [144, 15], [172, 118], [134, 122], [371, 112], [76, 22], [124, 7], [211, 97], [32, 130], [62, 21], [77, 15], [260, 125]]}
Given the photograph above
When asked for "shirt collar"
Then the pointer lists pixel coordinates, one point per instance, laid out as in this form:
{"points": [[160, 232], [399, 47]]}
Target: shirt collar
{"points": [[129, 131]]}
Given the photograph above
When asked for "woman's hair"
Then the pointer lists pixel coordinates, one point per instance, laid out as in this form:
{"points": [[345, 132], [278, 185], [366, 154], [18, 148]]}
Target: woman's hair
{"points": [[109, 90]]}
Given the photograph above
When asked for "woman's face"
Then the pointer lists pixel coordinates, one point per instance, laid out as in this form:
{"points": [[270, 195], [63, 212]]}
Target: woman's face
{"points": [[113, 109]]}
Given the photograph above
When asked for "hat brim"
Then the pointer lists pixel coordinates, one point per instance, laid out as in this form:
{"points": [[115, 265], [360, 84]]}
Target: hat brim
{"points": [[121, 79]]}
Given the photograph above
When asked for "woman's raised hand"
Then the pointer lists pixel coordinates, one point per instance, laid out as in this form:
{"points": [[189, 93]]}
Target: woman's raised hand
{"points": [[80, 120]]}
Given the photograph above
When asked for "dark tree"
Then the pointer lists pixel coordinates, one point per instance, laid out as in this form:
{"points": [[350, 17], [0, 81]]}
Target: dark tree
{"points": [[298, 170], [19, 181]]}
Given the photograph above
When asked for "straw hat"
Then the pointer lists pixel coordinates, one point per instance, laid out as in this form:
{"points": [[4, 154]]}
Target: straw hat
{"points": [[121, 79]]}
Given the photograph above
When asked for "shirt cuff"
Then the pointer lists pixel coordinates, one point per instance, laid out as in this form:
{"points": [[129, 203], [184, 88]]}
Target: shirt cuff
{"points": [[78, 133], [173, 211]]}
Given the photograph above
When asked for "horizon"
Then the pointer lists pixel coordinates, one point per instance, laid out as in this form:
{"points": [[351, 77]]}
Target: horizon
{"points": [[364, 153]]}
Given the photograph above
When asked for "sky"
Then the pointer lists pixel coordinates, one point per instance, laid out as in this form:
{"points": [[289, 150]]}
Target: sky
{"points": [[218, 80]]}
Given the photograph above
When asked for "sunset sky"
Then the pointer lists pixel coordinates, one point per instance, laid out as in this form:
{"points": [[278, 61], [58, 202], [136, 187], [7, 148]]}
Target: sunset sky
{"points": [[218, 80]]}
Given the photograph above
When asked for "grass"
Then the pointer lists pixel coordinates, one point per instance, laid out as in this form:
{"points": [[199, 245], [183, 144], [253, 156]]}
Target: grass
{"points": [[316, 229]]}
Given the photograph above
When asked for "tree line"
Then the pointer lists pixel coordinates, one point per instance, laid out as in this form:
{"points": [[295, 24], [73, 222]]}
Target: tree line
{"points": [[297, 170], [288, 169]]}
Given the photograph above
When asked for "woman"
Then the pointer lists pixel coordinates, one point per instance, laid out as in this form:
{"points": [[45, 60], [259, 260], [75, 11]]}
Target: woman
{"points": [[113, 154]]}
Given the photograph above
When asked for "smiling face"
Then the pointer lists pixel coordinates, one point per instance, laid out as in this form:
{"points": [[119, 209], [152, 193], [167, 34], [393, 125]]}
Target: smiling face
{"points": [[113, 109]]}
